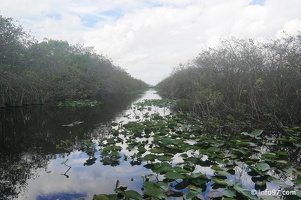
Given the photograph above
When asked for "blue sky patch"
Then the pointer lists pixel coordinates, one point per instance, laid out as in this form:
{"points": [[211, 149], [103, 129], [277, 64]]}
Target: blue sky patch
{"points": [[153, 4], [113, 14], [257, 2], [61, 196], [91, 20], [55, 16]]}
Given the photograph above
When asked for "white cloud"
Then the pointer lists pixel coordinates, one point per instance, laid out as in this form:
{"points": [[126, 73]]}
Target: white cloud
{"points": [[149, 38]]}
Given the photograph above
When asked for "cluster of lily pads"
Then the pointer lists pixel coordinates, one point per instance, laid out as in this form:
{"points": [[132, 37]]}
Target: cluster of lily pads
{"points": [[157, 102], [176, 147], [78, 103]]}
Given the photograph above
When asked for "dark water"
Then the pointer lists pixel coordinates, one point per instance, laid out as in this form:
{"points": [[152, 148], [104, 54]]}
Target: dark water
{"points": [[31, 167]]}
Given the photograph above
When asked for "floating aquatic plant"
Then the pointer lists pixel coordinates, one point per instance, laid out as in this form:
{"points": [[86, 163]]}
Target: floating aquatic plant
{"points": [[78, 103], [158, 143]]}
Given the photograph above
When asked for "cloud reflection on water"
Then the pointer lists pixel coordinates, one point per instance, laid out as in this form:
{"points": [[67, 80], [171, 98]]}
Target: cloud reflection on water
{"points": [[57, 180], [95, 179]]}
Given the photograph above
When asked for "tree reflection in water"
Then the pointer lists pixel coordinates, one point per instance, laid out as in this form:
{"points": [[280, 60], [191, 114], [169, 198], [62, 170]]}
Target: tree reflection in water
{"points": [[69, 167], [29, 135]]}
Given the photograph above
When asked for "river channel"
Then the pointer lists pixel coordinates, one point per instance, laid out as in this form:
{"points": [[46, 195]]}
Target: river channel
{"points": [[73, 153], [31, 165]]}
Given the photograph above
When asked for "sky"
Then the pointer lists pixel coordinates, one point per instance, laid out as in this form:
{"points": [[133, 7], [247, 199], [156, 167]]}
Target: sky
{"points": [[149, 38]]}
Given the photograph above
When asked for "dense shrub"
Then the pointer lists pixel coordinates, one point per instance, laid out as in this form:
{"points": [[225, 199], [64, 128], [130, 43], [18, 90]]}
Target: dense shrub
{"points": [[242, 78], [33, 72]]}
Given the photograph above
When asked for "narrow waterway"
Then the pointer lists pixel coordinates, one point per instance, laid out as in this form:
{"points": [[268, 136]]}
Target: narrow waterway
{"points": [[133, 142], [31, 165]]}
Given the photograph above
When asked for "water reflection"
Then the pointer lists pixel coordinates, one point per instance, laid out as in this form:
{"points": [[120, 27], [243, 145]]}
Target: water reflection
{"points": [[34, 168], [82, 180], [31, 165]]}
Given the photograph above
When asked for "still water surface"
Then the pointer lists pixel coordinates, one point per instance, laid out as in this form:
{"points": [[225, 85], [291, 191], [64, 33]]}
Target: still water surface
{"points": [[31, 167]]}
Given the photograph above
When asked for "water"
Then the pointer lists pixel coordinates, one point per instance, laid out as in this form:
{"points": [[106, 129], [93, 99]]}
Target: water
{"points": [[31, 167], [34, 163]]}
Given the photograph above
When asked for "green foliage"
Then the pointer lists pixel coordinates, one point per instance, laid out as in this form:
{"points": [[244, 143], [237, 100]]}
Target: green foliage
{"points": [[43, 72], [78, 103], [170, 136], [242, 79], [174, 159], [154, 190], [244, 192], [101, 197], [262, 166], [157, 102], [173, 175]]}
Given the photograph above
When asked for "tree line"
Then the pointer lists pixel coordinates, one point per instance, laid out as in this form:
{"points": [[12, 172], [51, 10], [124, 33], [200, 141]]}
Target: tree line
{"points": [[242, 79], [33, 72]]}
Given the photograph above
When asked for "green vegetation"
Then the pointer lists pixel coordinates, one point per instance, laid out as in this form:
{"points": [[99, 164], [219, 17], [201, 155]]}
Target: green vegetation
{"points": [[187, 157], [157, 102], [225, 90], [78, 103], [35, 72], [242, 79]]}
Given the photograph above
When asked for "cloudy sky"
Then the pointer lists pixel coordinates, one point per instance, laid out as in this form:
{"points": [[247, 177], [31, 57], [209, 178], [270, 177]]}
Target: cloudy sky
{"points": [[148, 38]]}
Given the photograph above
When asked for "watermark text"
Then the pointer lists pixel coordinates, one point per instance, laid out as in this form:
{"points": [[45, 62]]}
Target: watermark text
{"points": [[273, 192]]}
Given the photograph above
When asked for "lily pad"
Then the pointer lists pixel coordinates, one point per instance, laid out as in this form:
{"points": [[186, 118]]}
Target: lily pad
{"points": [[220, 181], [276, 181], [193, 195], [269, 156], [154, 190], [164, 158], [214, 194], [217, 168], [282, 155], [163, 185], [150, 157], [141, 149], [298, 182], [131, 194], [256, 132], [229, 193], [222, 174], [243, 144], [246, 193], [270, 144], [197, 175], [161, 167], [174, 175], [180, 170], [262, 166], [100, 197], [156, 151]]}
